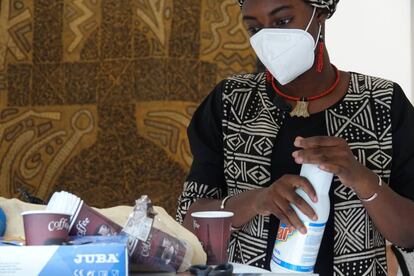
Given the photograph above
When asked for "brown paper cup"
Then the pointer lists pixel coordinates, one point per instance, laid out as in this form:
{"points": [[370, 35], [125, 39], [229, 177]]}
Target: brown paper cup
{"points": [[45, 227], [89, 222], [160, 252], [213, 229]]}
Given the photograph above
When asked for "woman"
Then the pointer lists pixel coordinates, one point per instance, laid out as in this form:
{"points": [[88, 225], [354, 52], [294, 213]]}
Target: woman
{"points": [[253, 132]]}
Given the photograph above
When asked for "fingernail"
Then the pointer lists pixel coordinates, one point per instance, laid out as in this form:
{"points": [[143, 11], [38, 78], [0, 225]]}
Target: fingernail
{"points": [[299, 160], [295, 154], [303, 230], [322, 167], [315, 218], [298, 141], [315, 199]]}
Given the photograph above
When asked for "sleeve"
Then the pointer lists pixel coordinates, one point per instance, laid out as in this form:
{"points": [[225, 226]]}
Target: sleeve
{"points": [[402, 171], [405, 261], [206, 176]]}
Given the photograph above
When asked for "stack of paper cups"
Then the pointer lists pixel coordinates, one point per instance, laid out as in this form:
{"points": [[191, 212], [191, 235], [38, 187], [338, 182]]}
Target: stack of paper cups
{"points": [[84, 221]]}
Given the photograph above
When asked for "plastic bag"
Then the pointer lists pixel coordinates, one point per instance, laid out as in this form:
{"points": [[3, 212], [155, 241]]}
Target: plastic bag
{"points": [[150, 248]]}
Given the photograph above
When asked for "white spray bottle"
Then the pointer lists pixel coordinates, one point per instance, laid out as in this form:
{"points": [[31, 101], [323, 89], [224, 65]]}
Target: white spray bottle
{"points": [[294, 252]]}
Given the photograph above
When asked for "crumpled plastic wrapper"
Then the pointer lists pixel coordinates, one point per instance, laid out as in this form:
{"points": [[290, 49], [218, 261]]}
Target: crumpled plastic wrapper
{"points": [[149, 247]]}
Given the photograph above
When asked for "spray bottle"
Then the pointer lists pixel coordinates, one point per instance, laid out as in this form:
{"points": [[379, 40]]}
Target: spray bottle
{"points": [[295, 252]]}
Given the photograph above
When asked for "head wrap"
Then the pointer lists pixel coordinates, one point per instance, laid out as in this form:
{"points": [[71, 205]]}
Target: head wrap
{"points": [[329, 5]]}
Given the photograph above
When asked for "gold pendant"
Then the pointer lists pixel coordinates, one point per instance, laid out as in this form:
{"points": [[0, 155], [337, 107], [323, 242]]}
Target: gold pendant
{"points": [[301, 109]]}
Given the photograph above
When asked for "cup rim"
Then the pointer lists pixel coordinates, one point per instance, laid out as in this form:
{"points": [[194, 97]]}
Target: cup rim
{"points": [[36, 212], [212, 214]]}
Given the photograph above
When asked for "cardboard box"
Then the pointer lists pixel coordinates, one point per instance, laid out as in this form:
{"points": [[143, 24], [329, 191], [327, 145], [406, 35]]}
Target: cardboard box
{"points": [[98, 258]]}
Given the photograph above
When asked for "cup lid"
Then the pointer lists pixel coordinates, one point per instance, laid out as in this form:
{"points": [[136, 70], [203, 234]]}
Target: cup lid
{"points": [[33, 212], [212, 214]]}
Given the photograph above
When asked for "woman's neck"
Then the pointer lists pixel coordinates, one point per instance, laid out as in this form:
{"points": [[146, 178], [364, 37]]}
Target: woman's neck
{"points": [[311, 83]]}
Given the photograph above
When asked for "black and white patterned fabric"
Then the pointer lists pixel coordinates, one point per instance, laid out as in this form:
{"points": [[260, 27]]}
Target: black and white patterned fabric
{"points": [[192, 192], [330, 5], [251, 123], [364, 120]]}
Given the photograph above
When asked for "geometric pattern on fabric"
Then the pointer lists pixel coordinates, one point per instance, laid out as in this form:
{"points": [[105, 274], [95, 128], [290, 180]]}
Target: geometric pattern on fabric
{"points": [[250, 115], [363, 118], [193, 191]]}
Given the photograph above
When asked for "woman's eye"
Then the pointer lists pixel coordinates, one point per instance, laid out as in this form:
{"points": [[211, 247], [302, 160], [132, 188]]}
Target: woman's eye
{"points": [[283, 21], [253, 30]]}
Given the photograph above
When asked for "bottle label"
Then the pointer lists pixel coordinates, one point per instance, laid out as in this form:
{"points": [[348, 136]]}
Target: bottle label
{"points": [[297, 252]]}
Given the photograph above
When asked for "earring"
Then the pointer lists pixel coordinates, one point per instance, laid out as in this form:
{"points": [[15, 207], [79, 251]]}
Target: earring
{"points": [[321, 50], [269, 76]]}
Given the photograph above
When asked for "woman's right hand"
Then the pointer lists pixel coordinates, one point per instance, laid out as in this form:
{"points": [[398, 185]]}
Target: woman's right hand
{"points": [[277, 199]]}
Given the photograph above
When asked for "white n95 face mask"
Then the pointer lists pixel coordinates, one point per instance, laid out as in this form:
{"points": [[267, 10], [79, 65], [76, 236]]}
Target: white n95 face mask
{"points": [[286, 53]]}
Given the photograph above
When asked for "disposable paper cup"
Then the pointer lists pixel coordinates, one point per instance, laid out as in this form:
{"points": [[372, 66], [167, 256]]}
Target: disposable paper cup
{"points": [[45, 227], [84, 220], [161, 252], [213, 229], [89, 222]]}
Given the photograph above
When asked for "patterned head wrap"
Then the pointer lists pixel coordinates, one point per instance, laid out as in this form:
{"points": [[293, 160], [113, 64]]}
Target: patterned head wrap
{"points": [[330, 5]]}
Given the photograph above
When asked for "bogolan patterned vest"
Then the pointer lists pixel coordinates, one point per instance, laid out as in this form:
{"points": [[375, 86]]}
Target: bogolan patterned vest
{"points": [[251, 124]]}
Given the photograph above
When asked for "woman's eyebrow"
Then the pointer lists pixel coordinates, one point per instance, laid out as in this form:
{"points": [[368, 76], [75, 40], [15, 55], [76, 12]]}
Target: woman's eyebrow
{"points": [[272, 12]]}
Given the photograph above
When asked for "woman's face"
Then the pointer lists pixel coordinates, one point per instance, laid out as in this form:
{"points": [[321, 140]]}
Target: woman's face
{"points": [[292, 14]]}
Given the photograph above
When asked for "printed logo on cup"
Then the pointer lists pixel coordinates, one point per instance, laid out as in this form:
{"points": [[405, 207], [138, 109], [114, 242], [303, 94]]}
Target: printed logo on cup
{"points": [[146, 247], [81, 226], [195, 224], [59, 225]]}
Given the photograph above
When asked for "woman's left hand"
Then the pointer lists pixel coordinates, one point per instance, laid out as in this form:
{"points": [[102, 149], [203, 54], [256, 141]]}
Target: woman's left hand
{"points": [[332, 154]]}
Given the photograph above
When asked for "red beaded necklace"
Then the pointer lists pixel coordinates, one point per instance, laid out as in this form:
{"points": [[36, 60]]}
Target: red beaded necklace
{"points": [[302, 103]]}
